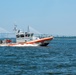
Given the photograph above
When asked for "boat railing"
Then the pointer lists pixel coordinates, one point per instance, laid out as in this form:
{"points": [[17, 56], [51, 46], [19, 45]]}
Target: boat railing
{"points": [[42, 35]]}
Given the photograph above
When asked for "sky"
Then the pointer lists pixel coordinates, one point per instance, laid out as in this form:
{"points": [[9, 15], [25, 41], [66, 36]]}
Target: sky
{"points": [[55, 17]]}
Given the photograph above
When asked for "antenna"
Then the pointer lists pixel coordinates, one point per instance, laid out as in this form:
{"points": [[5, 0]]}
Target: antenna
{"points": [[15, 27], [28, 29]]}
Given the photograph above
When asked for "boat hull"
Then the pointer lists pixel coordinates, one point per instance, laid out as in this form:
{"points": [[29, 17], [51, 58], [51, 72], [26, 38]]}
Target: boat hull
{"points": [[38, 42]]}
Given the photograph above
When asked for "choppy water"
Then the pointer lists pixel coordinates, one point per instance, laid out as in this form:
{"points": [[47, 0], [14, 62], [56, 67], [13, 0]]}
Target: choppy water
{"points": [[59, 58]]}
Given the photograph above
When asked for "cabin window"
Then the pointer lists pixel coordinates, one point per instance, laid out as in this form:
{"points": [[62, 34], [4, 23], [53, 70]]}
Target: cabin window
{"points": [[21, 35], [31, 34], [17, 36], [25, 35], [28, 35]]}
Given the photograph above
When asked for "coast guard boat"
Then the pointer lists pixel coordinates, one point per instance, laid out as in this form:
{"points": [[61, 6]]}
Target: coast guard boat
{"points": [[26, 39]]}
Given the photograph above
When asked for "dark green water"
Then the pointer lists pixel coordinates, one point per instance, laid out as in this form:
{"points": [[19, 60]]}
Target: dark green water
{"points": [[59, 58]]}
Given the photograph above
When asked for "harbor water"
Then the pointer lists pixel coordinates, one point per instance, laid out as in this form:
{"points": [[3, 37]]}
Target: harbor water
{"points": [[58, 58]]}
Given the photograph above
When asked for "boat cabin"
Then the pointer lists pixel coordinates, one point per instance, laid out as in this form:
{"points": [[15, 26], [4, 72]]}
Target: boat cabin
{"points": [[24, 36]]}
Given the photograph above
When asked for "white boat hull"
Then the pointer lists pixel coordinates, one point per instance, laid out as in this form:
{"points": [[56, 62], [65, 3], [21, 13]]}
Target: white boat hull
{"points": [[39, 42]]}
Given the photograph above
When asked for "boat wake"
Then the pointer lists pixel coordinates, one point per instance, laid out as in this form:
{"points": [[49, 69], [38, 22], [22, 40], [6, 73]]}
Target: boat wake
{"points": [[19, 45]]}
